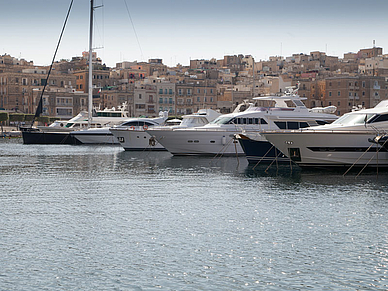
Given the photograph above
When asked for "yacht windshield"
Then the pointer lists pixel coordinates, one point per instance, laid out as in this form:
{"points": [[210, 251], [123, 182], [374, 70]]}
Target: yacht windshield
{"points": [[221, 120], [194, 121], [353, 119]]}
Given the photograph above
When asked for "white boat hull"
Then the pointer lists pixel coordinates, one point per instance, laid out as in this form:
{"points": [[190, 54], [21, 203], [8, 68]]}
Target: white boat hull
{"points": [[135, 140], [329, 148], [198, 142], [95, 136]]}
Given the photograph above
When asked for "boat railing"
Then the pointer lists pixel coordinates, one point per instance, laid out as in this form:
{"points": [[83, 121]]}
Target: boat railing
{"points": [[322, 131]]}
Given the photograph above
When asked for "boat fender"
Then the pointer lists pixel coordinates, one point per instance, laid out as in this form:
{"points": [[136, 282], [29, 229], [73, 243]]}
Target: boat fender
{"points": [[224, 140], [152, 141]]}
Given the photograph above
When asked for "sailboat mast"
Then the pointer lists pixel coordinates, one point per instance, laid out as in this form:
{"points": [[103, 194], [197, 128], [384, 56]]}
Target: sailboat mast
{"points": [[90, 96]]}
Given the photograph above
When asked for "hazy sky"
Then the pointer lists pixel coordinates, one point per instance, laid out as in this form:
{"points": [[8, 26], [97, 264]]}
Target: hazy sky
{"points": [[179, 30]]}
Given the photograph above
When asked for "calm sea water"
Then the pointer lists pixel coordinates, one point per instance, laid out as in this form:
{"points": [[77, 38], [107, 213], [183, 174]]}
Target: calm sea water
{"points": [[100, 218]]}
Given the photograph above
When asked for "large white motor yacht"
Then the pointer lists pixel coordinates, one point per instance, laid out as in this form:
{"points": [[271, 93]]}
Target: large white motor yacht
{"points": [[133, 136], [218, 137], [345, 142]]}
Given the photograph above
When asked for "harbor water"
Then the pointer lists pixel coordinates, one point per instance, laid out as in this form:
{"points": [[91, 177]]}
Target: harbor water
{"points": [[100, 218]]}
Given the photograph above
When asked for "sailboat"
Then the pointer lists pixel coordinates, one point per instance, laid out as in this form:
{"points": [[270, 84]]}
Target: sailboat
{"points": [[46, 135]]}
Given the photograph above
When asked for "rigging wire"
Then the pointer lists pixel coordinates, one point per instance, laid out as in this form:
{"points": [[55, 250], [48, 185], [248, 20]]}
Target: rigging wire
{"points": [[133, 26], [39, 109]]}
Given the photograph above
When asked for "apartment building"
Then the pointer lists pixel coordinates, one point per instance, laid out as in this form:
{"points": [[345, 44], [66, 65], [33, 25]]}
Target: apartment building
{"points": [[184, 98], [17, 87], [117, 96], [359, 91], [165, 94], [60, 102], [144, 98], [204, 96]]}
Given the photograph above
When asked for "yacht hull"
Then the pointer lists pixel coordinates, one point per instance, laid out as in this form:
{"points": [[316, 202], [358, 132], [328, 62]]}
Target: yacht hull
{"points": [[330, 148], [261, 151], [136, 140], [95, 136], [39, 137], [198, 142]]}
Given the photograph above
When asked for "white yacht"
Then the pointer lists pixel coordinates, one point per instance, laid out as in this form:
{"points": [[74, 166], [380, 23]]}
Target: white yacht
{"points": [[138, 138], [62, 132], [99, 132], [218, 137], [347, 141], [132, 133]]}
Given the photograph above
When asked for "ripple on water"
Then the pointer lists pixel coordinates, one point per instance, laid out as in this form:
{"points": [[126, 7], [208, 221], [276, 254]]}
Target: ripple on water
{"points": [[92, 218]]}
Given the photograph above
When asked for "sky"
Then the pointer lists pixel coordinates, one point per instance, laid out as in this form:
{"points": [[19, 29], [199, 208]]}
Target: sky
{"points": [[179, 30]]}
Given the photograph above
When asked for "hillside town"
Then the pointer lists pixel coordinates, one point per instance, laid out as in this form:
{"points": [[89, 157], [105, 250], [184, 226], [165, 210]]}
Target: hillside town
{"points": [[358, 80]]}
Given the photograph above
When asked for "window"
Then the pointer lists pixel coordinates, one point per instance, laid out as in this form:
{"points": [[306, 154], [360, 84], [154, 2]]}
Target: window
{"points": [[339, 103], [180, 92], [363, 84], [160, 91], [198, 90], [170, 91], [160, 100], [140, 106], [188, 91], [329, 93], [281, 124], [293, 124], [339, 93]]}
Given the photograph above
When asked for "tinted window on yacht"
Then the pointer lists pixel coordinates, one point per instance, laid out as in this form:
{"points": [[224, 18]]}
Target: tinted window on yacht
{"points": [[281, 124], [223, 120], [130, 123], [321, 122], [137, 123], [379, 118], [247, 121], [292, 125]]}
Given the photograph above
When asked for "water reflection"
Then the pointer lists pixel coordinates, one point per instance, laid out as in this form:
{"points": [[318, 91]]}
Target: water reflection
{"points": [[101, 217]]}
